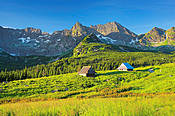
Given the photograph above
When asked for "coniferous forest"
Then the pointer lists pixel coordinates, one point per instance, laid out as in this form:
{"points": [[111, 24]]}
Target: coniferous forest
{"points": [[99, 61]]}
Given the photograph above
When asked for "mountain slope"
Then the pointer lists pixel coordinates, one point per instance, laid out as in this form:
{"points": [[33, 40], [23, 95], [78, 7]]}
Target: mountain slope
{"points": [[111, 27], [31, 41], [109, 83], [88, 52], [158, 37], [9, 62], [94, 43], [170, 36], [117, 32]]}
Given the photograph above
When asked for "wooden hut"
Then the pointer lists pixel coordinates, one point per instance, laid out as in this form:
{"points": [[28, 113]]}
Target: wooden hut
{"points": [[87, 71], [125, 67]]}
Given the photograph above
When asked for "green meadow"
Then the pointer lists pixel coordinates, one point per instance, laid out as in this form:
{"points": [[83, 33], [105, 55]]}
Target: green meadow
{"points": [[111, 92], [163, 105], [106, 83]]}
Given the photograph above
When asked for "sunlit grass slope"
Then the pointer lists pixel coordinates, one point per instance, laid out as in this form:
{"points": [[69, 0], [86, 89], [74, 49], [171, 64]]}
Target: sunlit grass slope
{"points": [[132, 106], [111, 83]]}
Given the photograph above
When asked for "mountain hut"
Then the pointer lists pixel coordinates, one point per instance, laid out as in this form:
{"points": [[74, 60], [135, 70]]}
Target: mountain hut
{"points": [[87, 71], [125, 67]]}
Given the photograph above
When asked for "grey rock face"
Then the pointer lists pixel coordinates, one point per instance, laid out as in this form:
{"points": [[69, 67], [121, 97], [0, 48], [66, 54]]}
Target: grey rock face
{"points": [[31, 41], [116, 32]]}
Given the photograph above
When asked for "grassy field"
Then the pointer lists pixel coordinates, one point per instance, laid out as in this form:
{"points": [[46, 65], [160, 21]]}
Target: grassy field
{"points": [[112, 92], [163, 105], [111, 83]]}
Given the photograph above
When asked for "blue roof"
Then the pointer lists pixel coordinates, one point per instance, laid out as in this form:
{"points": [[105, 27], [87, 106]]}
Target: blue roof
{"points": [[128, 66]]}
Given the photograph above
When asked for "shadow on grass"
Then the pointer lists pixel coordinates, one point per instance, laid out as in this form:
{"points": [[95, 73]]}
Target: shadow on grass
{"points": [[112, 73]]}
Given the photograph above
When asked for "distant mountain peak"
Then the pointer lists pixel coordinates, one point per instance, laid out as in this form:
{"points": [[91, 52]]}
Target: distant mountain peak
{"points": [[112, 23], [157, 29], [111, 27], [78, 30], [77, 25], [32, 30], [155, 35], [173, 28]]}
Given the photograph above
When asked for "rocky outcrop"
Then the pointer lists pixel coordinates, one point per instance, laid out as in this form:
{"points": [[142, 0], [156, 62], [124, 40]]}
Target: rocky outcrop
{"points": [[32, 30], [80, 30]]}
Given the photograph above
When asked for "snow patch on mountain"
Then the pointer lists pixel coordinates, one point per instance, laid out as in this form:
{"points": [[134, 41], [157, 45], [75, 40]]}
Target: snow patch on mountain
{"points": [[47, 41], [13, 54], [58, 40], [37, 41], [43, 36], [107, 40], [8, 27], [24, 40], [132, 41], [137, 39], [27, 40], [35, 44]]}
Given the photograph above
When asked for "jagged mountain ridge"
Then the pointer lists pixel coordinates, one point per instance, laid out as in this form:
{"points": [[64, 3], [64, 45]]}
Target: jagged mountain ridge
{"points": [[111, 29], [31, 41]]}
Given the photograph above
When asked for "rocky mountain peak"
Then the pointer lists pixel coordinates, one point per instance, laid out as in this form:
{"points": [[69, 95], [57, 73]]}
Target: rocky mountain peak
{"points": [[156, 29], [112, 27], [113, 23], [78, 30], [154, 36], [45, 33], [172, 28], [106, 28], [78, 24], [33, 30]]}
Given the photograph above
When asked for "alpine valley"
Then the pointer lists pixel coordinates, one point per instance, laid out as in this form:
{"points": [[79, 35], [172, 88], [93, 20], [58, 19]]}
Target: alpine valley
{"points": [[30, 46], [87, 65]]}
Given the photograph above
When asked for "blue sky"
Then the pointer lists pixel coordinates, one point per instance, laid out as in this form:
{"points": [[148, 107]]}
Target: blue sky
{"points": [[139, 16]]}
